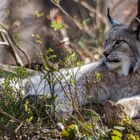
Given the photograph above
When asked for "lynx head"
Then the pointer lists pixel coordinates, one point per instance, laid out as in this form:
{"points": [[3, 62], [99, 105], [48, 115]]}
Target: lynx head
{"points": [[122, 47]]}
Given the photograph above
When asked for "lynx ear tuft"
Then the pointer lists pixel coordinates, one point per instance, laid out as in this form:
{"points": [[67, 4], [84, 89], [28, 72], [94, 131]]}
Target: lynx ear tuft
{"points": [[111, 20]]}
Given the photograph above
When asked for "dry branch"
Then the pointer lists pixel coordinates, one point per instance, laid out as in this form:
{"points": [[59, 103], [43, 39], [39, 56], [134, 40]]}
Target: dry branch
{"points": [[6, 37], [12, 69], [91, 9], [9, 116]]}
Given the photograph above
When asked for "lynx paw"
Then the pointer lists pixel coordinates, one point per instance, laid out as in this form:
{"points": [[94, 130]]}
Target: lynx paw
{"points": [[115, 114]]}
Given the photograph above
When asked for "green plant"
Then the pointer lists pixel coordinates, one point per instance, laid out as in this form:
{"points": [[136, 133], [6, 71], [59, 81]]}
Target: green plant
{"points": [[57, 26]]}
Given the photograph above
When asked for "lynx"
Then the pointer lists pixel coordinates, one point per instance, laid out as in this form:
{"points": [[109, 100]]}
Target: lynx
{"points": [[114, 81]]}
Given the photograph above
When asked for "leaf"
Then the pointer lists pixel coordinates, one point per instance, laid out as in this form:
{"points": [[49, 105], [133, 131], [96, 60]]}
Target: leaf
{"points": [[115, 138], [85, 22], [72, 82], [56, 1], [28, 120], [39, 14], [116, 135], [37, 38], [131, 137], [70, 132], [38, 41], [97, 77], [87, 138], [56, 26], [26, 106]]}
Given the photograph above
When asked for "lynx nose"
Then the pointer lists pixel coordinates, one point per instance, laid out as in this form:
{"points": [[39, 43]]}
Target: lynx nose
{"points": [[105, 53]]}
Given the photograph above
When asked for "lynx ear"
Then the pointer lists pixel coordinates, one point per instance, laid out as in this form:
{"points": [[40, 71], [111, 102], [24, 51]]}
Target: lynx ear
{"points": [[111, 20], [134, 26]]}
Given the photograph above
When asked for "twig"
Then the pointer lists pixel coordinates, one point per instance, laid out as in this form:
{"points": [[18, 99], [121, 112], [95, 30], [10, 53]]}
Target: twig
{"points": [[91, 9], [9, 116], [12, 69], [6, 36], [18, 128], [10, 44], [4, 43]]}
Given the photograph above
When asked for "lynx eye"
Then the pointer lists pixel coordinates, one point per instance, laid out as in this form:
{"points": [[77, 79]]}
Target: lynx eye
{"points": [[117, 42]]}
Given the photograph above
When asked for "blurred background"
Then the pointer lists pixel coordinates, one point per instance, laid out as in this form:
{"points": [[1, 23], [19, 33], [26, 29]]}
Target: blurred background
{"points": [[62, 27]]}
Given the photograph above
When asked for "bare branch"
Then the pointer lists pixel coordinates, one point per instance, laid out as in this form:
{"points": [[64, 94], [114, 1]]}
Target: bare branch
{"points": [[8, 38], [91, 9], [9, 116], [12, 69]]}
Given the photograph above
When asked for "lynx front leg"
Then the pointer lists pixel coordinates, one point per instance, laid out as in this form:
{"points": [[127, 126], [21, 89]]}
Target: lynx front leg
{"points": [[122, 110]]}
